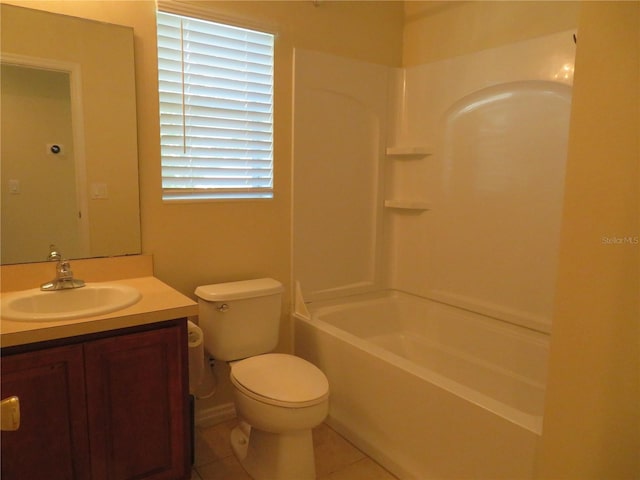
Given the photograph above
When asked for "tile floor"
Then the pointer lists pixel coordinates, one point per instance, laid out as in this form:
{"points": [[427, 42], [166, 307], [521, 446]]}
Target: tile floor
{"points": [[336, 458]]}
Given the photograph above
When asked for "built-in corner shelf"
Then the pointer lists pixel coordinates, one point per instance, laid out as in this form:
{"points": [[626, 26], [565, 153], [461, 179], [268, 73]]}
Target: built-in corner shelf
{"points": [[416, 205], [409, 151]]}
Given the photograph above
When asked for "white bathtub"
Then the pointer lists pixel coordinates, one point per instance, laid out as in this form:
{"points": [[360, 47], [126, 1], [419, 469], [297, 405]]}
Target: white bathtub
{"points": [[426, 389]]}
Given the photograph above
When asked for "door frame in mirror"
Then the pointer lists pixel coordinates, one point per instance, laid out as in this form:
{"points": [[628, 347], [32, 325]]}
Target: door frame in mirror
{"points": [[74, 70]]}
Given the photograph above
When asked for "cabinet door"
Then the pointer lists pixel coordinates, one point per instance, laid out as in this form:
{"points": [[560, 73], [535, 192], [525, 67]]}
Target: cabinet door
{"points": [[138, 420], [52, 441]]}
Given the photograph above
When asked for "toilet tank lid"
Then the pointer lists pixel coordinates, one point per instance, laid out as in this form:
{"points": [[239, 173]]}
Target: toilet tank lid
{"points": [[258, 287]]}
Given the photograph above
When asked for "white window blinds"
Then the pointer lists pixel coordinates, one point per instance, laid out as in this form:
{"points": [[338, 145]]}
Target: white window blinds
{"points": [[216, 110]]}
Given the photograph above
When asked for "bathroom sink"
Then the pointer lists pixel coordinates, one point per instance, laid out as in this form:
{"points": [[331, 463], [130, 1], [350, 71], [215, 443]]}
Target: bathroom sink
{"points": [[92, 299]]}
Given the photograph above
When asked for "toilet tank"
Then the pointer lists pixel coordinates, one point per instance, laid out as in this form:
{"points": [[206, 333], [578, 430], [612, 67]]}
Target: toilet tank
{"points": [[240, 319]]}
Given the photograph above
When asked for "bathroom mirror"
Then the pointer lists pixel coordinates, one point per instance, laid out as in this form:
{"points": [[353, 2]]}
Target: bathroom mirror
{"points": [[69, 155]]}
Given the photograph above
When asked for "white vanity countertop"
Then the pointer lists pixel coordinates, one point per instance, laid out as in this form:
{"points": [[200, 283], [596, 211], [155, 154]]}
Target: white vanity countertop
{"points": [[159, 302]]}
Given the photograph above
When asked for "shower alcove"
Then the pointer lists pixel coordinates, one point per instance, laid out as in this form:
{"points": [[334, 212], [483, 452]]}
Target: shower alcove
{"points": [[444, 182]]}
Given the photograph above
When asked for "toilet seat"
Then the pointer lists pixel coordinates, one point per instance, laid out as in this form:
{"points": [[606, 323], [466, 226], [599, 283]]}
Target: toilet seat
{"points": [[280, 379]]}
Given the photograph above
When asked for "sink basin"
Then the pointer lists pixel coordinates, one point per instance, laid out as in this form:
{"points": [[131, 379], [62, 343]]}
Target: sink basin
{"points": [[92, 299]]}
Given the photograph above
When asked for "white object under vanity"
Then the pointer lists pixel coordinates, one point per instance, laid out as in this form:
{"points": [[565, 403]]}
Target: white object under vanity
{"points": [[103, 396]]}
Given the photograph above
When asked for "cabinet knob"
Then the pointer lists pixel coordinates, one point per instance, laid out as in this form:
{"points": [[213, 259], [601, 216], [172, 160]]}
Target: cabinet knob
{"points": [[10, 413]]}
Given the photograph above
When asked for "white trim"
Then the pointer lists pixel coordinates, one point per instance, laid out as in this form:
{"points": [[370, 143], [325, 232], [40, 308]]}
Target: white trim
{"points": [[189, 9]]}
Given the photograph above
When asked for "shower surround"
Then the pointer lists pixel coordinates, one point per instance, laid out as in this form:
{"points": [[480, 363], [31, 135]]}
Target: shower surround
{"points": [[443, 181]]}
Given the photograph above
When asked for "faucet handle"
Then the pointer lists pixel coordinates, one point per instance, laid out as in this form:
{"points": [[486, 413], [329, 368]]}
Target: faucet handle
{"points": [[64, 270], [54, 254]]}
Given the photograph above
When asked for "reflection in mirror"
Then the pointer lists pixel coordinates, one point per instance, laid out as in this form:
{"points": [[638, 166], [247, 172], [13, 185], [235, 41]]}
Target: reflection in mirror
{"points": [[69, 142], [36, 107]]}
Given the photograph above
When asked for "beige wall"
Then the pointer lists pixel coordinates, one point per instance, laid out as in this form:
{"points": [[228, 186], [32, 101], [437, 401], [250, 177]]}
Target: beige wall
{"points": [[592, 415], [437, 30]]}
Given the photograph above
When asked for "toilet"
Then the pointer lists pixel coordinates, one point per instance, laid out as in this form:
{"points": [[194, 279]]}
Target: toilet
{"points": [[278, 397]]}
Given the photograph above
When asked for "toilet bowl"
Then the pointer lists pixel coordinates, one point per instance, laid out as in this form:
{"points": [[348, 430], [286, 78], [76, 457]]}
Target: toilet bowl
{"points": [[279, 398]]}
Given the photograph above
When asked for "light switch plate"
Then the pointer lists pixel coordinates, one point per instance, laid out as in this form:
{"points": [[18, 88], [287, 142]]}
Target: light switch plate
{"points": [[14, 187], [99, 191]]}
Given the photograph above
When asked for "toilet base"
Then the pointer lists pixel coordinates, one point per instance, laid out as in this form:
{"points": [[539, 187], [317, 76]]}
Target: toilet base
{"points": [[270, 456]]}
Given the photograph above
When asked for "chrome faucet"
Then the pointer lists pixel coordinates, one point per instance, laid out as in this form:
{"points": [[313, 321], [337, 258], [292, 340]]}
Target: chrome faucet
{"points": [[64, 276]]}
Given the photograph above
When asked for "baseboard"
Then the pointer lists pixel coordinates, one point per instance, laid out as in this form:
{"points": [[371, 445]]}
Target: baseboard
{"points": [[213, 415]]}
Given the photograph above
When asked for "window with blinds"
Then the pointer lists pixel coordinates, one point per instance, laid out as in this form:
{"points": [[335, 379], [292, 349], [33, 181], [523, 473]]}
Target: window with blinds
{"points": [[216, 110]]}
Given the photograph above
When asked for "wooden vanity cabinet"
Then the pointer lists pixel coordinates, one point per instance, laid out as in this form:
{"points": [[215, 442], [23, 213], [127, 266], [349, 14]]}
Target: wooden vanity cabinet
{"points": [[106, 406]]}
